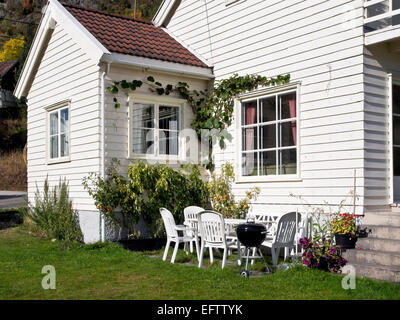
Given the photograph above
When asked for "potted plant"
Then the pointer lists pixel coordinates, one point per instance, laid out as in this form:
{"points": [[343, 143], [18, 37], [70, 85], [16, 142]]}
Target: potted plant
{"points": [[344, 229], [321, 255]]}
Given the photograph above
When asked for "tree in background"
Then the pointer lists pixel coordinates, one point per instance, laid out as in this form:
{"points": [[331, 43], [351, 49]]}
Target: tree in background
{"points": [[12, 49]]}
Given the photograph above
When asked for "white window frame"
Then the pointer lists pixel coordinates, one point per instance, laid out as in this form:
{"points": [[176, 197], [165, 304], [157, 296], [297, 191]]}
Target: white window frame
{"points": [[391, 80], [156, 101], [49, 110], [260, 94]]}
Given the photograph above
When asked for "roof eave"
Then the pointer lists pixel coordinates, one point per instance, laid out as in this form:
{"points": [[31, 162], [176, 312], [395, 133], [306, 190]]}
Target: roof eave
{"points": [[164, 12], [159, 65]]}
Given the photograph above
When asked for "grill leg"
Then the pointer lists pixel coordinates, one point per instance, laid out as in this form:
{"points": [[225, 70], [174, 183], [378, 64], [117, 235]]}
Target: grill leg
{"points": [[247, 258]]}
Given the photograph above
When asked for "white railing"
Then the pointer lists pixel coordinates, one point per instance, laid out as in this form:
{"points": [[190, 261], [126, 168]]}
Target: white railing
{"points": [[380, 14]]}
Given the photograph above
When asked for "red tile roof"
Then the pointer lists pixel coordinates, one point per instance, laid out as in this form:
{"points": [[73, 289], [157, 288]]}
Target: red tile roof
{"points": [[134, 37], [6, 66]]}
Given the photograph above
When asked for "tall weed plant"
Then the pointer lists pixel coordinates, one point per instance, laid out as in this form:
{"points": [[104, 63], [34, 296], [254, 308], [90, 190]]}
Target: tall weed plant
{"points": [[53, 214]]}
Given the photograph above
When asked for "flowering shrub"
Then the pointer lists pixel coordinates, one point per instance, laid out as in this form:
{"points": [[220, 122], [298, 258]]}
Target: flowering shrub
{"points": [[222, 199], [321, 255], [123, 201], [344, 223]]}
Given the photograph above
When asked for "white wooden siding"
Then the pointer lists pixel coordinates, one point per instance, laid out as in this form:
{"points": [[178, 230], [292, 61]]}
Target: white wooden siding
{"points": [[117, 124], [314, 41], [65, 72]]}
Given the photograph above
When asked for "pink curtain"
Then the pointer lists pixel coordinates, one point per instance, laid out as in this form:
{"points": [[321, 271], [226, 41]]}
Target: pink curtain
{"points": [[292, 107], [250, 118]]}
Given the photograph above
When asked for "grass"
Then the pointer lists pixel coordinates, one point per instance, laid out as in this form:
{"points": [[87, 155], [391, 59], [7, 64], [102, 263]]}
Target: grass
{"points": [[107, 271], [13, 171]]}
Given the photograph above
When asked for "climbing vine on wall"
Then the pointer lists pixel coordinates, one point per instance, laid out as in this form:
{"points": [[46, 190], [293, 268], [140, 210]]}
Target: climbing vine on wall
{"points": [[212, 109]]}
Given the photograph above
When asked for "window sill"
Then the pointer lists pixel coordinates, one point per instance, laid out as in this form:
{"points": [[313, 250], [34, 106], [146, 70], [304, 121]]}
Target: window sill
{"points": [[266, 179], [57, 161]]}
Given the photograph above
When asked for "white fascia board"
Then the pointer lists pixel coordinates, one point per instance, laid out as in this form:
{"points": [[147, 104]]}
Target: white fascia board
{"points": [[159, 65], [191, 50], [163, 12], [46, 24], [53, 14], [78, 32]]}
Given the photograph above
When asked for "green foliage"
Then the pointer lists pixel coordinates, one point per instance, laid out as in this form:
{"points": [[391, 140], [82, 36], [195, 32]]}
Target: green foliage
{"points": [[222, 197], [213, 111], [147, 189], [322, 255], [53, 213], [343, 223]]}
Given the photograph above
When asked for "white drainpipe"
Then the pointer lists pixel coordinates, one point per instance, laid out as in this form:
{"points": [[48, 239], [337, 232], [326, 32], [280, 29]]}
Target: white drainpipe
{"points": [[103, 154]]}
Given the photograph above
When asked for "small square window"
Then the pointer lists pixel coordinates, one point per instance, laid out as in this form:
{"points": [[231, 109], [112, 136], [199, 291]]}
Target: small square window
{"points": [[58, 133]]}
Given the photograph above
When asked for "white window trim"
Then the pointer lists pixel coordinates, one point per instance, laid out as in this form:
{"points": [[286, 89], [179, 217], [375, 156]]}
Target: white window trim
{"points": [[156, 100], [257, 94], [50, 109], [392, 80]]}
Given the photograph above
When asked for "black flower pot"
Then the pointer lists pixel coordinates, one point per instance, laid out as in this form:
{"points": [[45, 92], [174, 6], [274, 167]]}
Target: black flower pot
{"points": [[345, 241]]}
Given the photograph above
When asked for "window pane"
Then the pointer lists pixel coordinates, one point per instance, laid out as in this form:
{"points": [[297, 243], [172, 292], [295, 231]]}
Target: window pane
{"points": [[287, 106], [143, 141], [268, 136], [249, 139], [169, 118], [143, 115], [268, 163], [287, 133], [64, 120], [288, 161], [64, 145], [54, 147], [168, 142], [396, 99], [268, 109], [249, 113], [54, 123], [249, 164]]}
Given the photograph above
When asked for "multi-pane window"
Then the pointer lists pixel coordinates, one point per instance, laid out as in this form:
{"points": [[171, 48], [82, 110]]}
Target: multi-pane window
{"points": [[59, 133], [269, 135], [155, 129]]}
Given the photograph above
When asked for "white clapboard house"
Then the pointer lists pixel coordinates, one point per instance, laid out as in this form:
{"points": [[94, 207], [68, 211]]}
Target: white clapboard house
{"points": [[333, 127]]}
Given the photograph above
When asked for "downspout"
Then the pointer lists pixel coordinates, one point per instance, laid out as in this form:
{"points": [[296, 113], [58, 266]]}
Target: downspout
{"points": [[103, 153]]}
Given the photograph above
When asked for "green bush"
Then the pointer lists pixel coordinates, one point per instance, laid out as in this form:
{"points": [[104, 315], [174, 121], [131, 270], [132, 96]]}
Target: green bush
{"points": [[53, 213], [147, 189]]}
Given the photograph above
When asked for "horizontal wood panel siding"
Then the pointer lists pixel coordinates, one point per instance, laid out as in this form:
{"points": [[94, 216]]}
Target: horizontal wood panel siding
{"points": [[320, 43], [65, 73], [117, 121]]}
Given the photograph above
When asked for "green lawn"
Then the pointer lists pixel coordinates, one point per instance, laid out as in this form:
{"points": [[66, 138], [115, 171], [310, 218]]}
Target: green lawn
{"points": [[110, 272]]}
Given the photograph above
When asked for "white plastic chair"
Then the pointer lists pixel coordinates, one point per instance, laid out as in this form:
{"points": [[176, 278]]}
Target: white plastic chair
{"points": [[191, 220], [172, 233], [285, 235], [213, 235]]}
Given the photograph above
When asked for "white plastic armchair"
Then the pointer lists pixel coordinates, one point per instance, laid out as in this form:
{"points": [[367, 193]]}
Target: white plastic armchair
{"points": [[172, 233], [284, 236], [191, 220], [212, 232]]}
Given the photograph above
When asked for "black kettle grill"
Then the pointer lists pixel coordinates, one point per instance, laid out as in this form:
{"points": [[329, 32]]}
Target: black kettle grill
{"points": [[251, 235]]}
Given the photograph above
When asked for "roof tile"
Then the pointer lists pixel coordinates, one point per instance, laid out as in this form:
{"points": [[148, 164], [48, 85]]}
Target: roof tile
{"points": [[134, 37]]}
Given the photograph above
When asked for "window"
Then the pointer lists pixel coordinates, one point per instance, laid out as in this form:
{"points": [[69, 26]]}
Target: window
{"points": [[58, 134], [269, 135], [154, 128]]}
